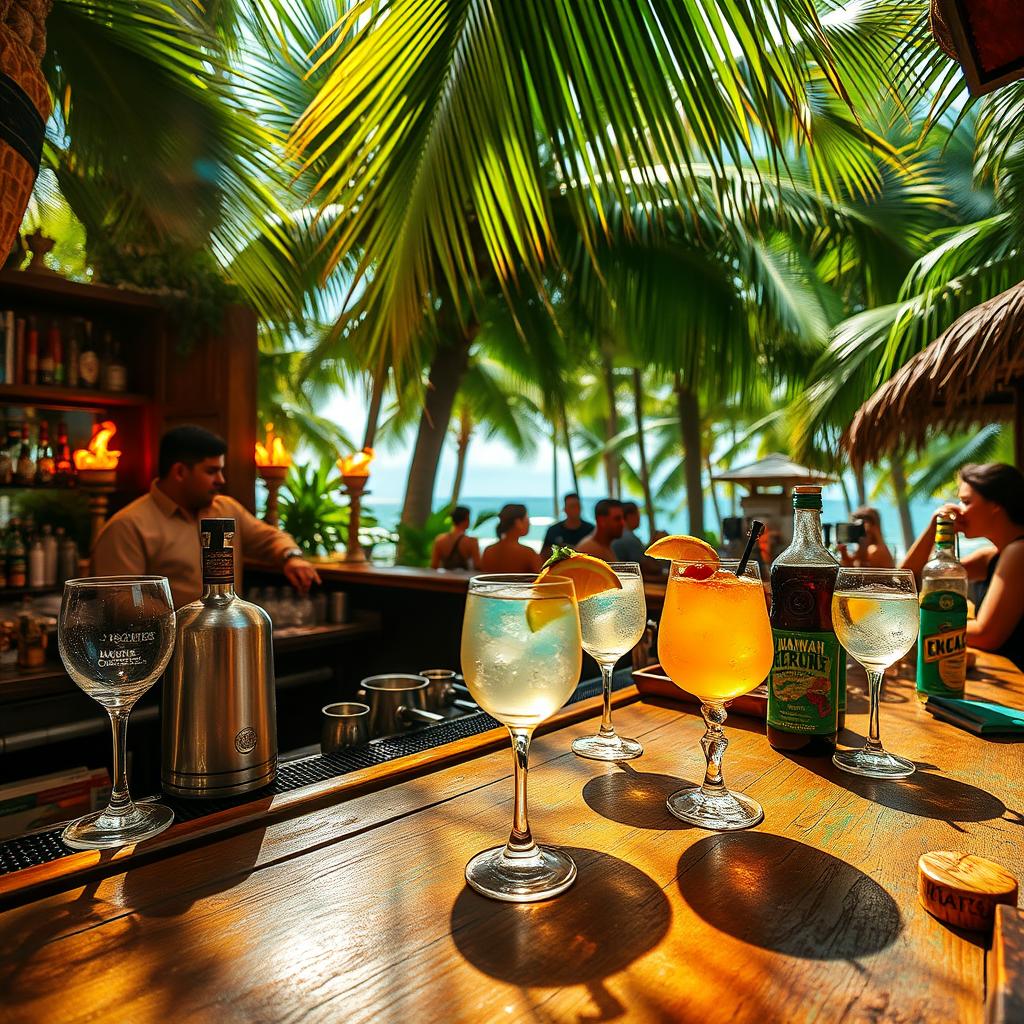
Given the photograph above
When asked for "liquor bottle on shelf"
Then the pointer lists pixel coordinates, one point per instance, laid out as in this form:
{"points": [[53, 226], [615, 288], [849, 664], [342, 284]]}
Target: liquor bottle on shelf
{"points": [[71, 356], [50, 550], [7, 342], [219, 716], [3, 559], [16, 564], [46, 467], [6, 460], [19, 351], [808, 679], [64, 467], [67, 556], [115, 374], [57, 354], [46, 354], [32, 353], [88, 361], [25, 468], [36, 564], [942, 643]]}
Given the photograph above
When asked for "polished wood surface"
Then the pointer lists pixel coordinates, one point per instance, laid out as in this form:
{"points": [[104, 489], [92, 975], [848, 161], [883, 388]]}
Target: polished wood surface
{"points": [[357, 910], [1005, 978]]}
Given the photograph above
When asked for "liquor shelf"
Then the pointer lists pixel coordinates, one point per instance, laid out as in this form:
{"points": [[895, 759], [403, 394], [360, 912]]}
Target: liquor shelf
{"points": [[814, 915]]}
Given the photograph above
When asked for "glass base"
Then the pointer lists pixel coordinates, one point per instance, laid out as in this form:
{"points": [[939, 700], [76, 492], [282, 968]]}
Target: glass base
{"points": [[722, 812], [874, 764], [104, 831], [540, 876], [606, 748]]}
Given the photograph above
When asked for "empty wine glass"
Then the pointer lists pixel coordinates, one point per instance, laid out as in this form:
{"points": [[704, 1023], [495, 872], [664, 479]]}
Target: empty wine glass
{"points": [[115, 635]]}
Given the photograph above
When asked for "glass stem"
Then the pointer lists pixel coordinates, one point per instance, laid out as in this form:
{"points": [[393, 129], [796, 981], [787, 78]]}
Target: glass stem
{"points": [[120, 800], [607, 730], [714, 743], [520, 842], [875, 677]]}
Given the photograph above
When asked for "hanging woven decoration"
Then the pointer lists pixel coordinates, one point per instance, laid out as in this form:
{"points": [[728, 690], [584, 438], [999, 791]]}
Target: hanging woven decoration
{"points": [[24, 109], [985, 37]]}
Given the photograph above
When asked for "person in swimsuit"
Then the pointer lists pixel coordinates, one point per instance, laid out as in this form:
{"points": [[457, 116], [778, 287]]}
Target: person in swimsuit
{"points": [[507, 554], [455, 549], [991, 505]]}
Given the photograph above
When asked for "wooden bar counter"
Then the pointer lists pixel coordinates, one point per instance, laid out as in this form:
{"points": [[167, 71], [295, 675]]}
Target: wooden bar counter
{"points": [[357, 911]]}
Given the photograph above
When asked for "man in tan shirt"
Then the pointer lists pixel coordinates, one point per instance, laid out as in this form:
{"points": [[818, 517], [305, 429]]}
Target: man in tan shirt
{"points": [[158, 534]]}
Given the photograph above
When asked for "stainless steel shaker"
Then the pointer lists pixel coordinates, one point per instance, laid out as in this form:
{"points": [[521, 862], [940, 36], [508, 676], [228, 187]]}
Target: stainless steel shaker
{"points": [[219, 709]]}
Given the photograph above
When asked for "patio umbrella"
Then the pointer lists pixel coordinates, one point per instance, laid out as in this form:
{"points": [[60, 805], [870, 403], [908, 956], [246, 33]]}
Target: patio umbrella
{"points": [[772, 469], [972, 373]]}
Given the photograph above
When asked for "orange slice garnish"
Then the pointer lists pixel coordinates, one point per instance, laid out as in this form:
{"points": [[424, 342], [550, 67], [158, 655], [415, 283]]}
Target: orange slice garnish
{"points": [[590, 576], [681, 548]]}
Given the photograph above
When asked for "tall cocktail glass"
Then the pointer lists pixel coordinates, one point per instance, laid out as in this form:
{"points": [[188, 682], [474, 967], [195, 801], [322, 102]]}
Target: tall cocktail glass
{"points": [[521, 661], [612, 624], [875, 616], [715, 642]]}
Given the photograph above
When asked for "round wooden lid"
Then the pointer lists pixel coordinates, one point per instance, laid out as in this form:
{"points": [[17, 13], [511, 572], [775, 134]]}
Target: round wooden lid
{"points": [[963, 889]]}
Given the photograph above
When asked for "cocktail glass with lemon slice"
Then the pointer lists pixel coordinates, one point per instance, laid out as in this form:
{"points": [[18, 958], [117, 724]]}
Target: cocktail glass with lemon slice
{"points": [[613, 616], [521, 661], [715, 642]]}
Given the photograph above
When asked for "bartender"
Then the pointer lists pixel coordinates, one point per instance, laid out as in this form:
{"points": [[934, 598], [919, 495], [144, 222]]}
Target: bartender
{"points": [[158, 534]]}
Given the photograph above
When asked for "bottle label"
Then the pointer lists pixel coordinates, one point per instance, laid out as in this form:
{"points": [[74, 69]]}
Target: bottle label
{"points": [[942, 644], [89, 368], [218, 558], [803, 692]]}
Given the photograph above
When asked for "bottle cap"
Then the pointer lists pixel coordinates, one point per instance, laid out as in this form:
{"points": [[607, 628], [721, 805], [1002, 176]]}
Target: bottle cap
{"points": [[216, 537], [807, 496], [963, 889]]}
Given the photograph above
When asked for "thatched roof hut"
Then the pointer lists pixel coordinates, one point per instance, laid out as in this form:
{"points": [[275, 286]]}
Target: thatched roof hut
{"points": [[972, 373]]}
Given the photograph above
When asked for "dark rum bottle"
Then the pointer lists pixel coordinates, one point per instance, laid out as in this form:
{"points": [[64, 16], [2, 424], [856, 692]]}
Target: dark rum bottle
{"points": [[808, 678]]}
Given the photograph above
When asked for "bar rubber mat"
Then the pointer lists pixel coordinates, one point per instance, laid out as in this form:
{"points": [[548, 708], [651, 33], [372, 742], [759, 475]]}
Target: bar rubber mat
{"points": [[43, 847]]}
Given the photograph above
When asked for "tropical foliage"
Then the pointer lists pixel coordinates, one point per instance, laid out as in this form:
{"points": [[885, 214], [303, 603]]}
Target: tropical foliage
{"points": [[659, 236]]}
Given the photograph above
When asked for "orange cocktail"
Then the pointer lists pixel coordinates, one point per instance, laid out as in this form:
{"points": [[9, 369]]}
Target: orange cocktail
{"points": [[716, 643], [715, 640]]}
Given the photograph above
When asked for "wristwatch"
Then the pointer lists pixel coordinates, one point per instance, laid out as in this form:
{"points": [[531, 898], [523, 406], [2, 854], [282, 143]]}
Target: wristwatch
{"points": [[294, 553]]}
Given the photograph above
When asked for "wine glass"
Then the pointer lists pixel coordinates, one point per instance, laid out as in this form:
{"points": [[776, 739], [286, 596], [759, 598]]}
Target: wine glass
{"points": [[115, 635], [521, 660], [715, 642], [875, 614], [612, 624]]}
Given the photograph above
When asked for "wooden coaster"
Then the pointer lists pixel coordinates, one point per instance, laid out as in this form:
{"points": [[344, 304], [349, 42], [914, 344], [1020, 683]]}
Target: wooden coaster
{"points": [[962, 889]]}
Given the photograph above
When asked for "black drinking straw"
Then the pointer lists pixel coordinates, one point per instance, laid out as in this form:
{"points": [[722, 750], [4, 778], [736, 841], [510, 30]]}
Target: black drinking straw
{"points": [[756, 529]]}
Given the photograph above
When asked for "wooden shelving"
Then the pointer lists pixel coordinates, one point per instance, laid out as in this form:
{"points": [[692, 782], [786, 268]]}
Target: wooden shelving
{"points": [[83, 399]]}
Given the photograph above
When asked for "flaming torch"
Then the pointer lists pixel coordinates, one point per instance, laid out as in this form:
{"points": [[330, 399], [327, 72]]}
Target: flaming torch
{"points": [[96, 467], [272, 462], [355, 471]]}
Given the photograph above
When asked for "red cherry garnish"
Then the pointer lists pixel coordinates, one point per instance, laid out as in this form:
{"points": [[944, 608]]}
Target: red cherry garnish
{"points": [[701, 571]]}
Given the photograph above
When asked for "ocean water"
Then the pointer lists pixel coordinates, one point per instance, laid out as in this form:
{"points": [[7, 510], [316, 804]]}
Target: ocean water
{"points": [[540, 507]]}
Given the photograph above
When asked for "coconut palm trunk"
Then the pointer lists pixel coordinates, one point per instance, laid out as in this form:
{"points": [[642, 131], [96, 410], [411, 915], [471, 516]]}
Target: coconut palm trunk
{"points": [[462, 447], [641, 447], [689, 426], [611, 460], [446, 372], [898, 475], [862, 488], [380, 380], [714, 493], [568, 445], [555, 497]]}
